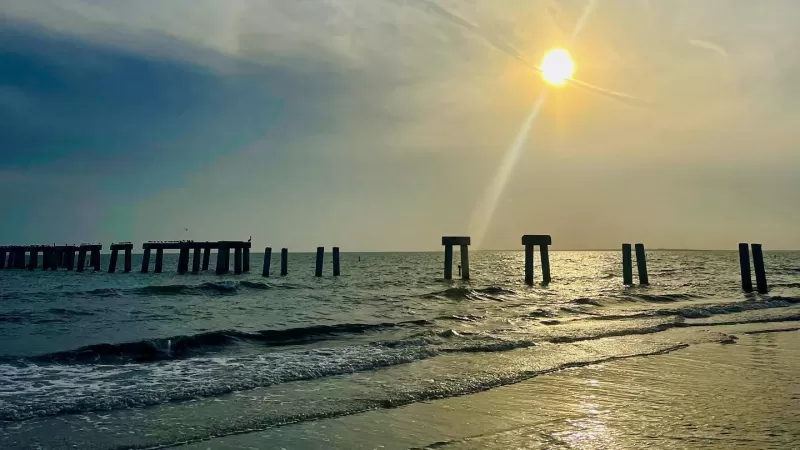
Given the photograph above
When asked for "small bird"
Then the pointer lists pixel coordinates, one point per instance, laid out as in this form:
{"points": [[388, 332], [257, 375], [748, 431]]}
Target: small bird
{"points": [[185, 229]]}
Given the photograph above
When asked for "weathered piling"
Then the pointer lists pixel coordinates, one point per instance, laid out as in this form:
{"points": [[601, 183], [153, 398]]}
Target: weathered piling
{"points": [[641, 264], [223, 259], [627, 265], [336, 271], [529, 255], [758, 265], [183, 259], [267, 261], [237, 260], [206, 257], [112, 263], [146, 260], [70, 264], [95, 260], [2, 258], [19, 260], [744, 266], [128, 257], [33, 261], [448, 262], [196, 260], [529, 241], [464, 262], [318, 267], [544, 252], [284, 261], [9, 259], [81, 258], [54, 259], [246, 259], [159, 261], [448, 242]]}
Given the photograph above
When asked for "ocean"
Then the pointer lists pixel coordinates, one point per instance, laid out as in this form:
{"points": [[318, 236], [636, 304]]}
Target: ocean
{"points": [[98, 360]]}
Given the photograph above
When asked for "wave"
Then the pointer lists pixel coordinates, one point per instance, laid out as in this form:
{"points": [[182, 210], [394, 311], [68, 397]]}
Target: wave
{"points": [[662, 298], [787, 285], [464, 293], [178, 347]]}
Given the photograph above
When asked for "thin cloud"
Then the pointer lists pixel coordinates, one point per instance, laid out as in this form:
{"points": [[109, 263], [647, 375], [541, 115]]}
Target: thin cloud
{"points": [[709, 46]]}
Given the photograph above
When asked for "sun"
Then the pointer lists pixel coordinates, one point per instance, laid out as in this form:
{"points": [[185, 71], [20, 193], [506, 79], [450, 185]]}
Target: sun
{"points": [[557, 67]]}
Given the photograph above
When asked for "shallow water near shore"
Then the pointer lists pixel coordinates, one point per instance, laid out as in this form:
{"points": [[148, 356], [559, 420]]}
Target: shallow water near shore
{"points": [[101, 360]]}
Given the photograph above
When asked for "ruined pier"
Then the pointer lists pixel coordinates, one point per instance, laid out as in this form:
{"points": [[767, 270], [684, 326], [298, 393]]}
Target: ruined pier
{"points": [[241, 251]]}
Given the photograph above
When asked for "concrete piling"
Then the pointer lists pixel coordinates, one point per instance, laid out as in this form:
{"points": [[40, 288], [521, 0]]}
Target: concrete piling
{"points": [[641, 264], [33, 261], [336, 271], [183, 259], [320, 255], [267, 261], [529, 264], [246, 259], [744, 266], [112, 263], [529, 241], [223, 259], [54, 260], [448, 242], [70, 264], [627, 265], [758, 265], [237, 260], [544, 252], [47, 256], [196, 260], [146, 260], [95, 261], [2, 258], [159, 260], [206, 257], [128, 257], [81, 258], [284, 261]]}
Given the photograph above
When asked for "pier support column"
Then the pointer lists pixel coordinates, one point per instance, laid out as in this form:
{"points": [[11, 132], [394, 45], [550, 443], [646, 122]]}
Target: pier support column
{"points": [[128, 261], [246, 259], [20, 259], [71, 259], [95, 261], [10, 259], [758, 265], [544, 251], [237, 260], [744, 266], [62, 258], [81, 259], [33, 261], [320, 255], [529, 264], [223, 257], [267, 261], [641, 265], [336, 271], [47, 259], [159, 260], [543, 241], [53, 261], [464, 262], [183, 259], [206, 257], [3, 259], [284, 261], [112, 263], [448, 262], [627, 265], [196, 260], [146, 260]]}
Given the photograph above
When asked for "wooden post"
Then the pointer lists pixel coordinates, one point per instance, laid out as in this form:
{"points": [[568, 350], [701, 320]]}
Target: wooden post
{"points": [[81, 258], [627, 265], [183, 259], [223, 259], [246, 259], [146, 260], [112, 264], [206, 257], [464, 262], [758, 265], [336, 271], [641, 264], [196, 260], [267, 261], [237, 260], [320, 255], [284, 261], [544, 252], [448, 262], [744, 265], [529, 264], [128, 251], [159, 260]]}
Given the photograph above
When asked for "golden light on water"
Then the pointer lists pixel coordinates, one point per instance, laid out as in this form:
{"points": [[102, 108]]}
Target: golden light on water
{"points": [[557, 67]]}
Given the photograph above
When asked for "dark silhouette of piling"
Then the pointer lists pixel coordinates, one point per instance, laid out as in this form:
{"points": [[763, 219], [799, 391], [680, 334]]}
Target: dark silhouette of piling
{"points": [[627, 265], [128, 257], [284, 261], [196, 260], [237, 260], [112, 264], [146, 260], [529, 241], [246, 259], [529, 264], [70, 264], [159, 260], [223, 259], [744, 265], [53, 260], [336, 271], [641, 264], [448, 262], [464, 262], [544, 252], [758, 265], [267, 261], [81, 258], [95, 260], [2, 258], [183, 259], [320, 255], [206, 257], [33, 261]]}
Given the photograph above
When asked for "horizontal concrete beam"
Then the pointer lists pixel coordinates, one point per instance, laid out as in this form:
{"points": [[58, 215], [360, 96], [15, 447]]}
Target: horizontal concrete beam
{"points": [[122, 246], [455, 240], [537, 239], [177, 245]]}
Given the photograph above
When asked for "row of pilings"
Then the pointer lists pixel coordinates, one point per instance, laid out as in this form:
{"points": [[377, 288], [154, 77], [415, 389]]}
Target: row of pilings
{"points": [[53, 257]]}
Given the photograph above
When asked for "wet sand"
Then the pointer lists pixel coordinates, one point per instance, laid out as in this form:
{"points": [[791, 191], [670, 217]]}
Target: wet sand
{"points": [[740, 390]]}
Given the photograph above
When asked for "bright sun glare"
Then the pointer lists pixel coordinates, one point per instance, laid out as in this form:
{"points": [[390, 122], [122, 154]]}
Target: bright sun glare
{"points": [[557, 66]]}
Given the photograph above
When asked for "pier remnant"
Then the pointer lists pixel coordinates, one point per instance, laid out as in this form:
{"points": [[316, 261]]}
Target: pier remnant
{"points": [[127, 247], [206, 257], [641, 265], [744, 265], [112, 263], [543, 241], [267, 261], [95, 257], [159, 260], [3, 252], [19, 259], [627, 265], [284, 261], [758, 265], [70, 259], [146, 259], [223, 258], [449, 242], [336, 271], [320, 255], [183, 259], [196, 260], [81, 258], [33, 262], [237, 260], [246, 259]]}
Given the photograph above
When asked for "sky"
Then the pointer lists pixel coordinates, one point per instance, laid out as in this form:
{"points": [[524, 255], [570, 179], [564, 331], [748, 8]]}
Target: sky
{"points": [[382, 125]]}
